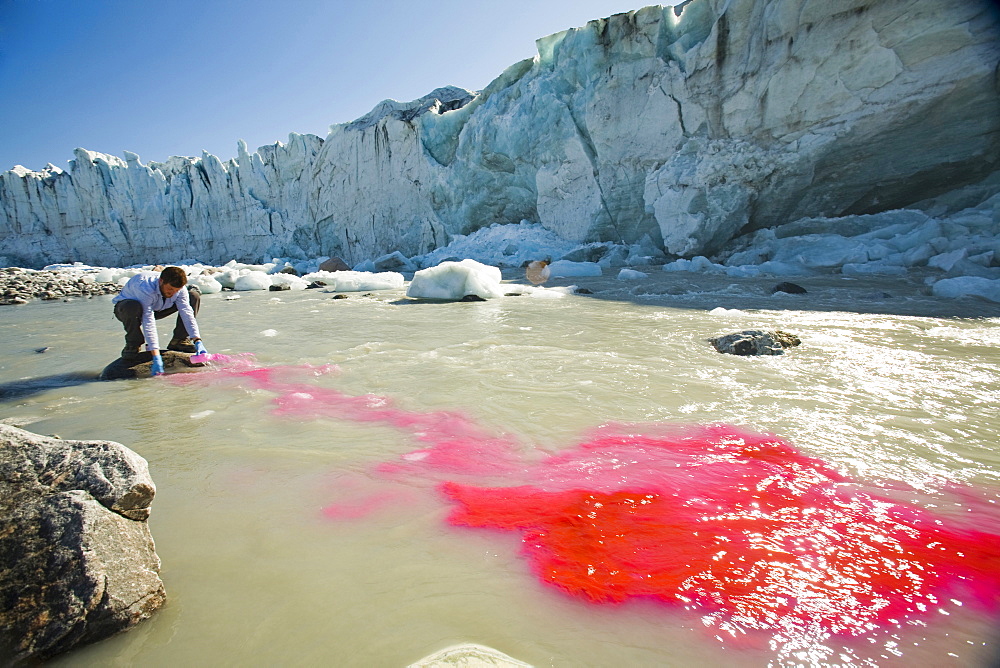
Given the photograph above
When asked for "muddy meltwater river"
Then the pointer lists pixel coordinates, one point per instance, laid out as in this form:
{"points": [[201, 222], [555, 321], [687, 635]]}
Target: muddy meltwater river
{"points": [[575, 481]]}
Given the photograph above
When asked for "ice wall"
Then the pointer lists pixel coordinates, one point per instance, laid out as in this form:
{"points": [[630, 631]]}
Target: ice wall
{"points": [[734, 116]]}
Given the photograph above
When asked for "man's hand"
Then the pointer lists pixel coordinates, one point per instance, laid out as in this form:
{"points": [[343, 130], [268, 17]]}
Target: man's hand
{"points": [[199, 347], [157, 364]]}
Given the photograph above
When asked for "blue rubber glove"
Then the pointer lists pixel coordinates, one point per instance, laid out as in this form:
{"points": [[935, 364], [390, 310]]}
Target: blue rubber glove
{"points": [[158, 365], [199, 348]]}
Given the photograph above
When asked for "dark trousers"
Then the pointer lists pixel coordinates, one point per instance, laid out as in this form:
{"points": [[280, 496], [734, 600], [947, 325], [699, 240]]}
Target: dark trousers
{"points": [[129, 312]]}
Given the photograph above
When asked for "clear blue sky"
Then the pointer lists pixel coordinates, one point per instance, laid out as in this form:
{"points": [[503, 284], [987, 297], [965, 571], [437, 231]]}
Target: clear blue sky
{"points": [[174, 77]]}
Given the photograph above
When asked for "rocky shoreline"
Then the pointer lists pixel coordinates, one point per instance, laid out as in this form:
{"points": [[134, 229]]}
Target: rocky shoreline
{"points": [[20, 286]]}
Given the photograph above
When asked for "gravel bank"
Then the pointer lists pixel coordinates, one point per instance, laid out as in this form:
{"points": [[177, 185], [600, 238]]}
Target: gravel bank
{"points": [[19, 286]]}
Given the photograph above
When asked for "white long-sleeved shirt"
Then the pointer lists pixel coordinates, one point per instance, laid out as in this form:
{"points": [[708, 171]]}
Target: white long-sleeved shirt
{"points": [[145, 289]]}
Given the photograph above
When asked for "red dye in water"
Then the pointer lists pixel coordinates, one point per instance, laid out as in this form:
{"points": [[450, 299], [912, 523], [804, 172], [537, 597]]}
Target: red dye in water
{"points": [[742, 527], [737, 524]]}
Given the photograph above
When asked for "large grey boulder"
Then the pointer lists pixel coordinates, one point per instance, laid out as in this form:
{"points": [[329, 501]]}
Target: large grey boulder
{"points": [[77, 561]]}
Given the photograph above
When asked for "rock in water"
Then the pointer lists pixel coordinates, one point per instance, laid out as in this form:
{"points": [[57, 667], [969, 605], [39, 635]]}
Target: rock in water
{"points": [[77, 561], [334, 264], [173, 362], [790, 288], [755, 342], [469, 655]]}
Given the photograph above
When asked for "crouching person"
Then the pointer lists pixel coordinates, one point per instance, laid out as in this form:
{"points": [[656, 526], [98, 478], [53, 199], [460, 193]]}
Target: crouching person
{"points": [[150, 296]]}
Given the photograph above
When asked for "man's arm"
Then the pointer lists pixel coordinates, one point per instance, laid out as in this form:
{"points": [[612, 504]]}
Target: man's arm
{"points": [[186, 313], [152, 341], [149, 327]]}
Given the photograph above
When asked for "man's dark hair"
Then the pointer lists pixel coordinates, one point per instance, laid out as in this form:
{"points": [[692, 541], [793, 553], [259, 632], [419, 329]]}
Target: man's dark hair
{"points": [[174, 276]]}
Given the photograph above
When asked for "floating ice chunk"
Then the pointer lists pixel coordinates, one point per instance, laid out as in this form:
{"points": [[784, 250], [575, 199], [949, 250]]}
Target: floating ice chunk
{"points": [[985, 259], [966, 268], [743, 271], [280, 264], [106, 276], [697, 263], [631, 275], [879, 251], [227, 278], [566, 268], [308, 266], [872, 268], [821, 251], [918, 236], [394, 261], [201, 414], [357, 281], [616, 256], [644, 253], [293, 282], [783, 269], [501, 245], [918, 255], [60, 266], [269, 332], [962, 286], [206, 284], [552, 293], [253, 280], [454, 280], [515, 289], [948, 260]]}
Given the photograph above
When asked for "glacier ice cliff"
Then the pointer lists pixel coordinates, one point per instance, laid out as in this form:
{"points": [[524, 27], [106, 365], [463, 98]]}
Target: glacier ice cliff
{"points": [[681, 132]]}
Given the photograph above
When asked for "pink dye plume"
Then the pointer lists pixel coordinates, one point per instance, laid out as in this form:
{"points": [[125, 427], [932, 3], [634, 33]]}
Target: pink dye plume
{"points": [[216, 358], [742, 526]]}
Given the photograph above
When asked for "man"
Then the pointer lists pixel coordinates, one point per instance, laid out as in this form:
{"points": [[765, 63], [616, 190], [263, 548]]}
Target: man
{"points": [[148, 297]]}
